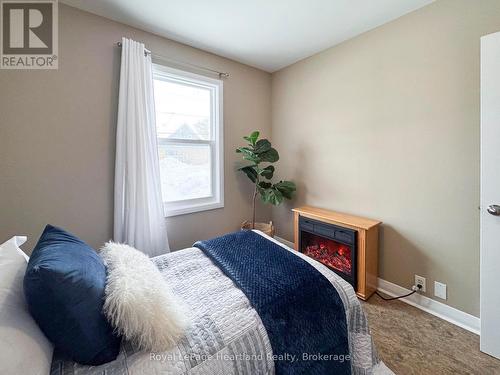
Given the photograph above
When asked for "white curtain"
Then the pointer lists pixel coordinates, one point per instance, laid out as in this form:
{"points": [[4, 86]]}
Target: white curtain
{"points": [[138, 218]]}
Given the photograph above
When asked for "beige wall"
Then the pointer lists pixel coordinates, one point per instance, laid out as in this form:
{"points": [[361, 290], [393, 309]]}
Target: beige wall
{"points": [[57, 135], [386, 125]]}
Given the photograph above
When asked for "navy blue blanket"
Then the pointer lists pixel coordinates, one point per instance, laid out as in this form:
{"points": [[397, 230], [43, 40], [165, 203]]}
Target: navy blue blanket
{"points": [[302, 312]]}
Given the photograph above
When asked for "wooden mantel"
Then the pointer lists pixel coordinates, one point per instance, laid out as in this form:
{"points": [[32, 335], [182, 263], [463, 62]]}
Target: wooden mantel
{"points": [[367, 243]]}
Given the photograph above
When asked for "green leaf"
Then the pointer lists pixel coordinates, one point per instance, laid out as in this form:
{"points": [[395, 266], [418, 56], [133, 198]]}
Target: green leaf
{"points": [[270, 156], [265, 185], [243, 149], [277, 197], [253, 138], [248, 154], [253, 159], [262, 146], [272, 196], [267, 172], [264, 196], [286, 188], [250, 172]]}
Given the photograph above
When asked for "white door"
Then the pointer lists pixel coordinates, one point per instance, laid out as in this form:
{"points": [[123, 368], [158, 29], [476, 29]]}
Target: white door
{"points": [[490, 194]]}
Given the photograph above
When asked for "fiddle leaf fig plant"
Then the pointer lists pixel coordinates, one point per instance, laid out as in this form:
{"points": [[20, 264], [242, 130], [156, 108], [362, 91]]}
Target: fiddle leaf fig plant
{"points": [[259, 152]]}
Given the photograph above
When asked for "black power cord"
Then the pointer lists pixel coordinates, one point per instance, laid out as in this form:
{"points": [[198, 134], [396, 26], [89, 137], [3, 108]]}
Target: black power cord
{"points": [[419, 287]]}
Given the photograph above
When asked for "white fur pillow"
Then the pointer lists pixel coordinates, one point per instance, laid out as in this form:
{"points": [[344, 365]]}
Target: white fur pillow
{"points": [[138, 302]]}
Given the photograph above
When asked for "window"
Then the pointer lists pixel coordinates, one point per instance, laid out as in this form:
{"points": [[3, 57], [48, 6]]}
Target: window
{"points": [[189, 128]]}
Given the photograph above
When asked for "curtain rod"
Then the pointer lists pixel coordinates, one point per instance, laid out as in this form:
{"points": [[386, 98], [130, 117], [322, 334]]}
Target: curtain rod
{"points": [[161, 57]]}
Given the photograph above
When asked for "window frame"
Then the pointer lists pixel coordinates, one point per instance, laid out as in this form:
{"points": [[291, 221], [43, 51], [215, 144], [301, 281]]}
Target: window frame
{"points": [[216, 141]]}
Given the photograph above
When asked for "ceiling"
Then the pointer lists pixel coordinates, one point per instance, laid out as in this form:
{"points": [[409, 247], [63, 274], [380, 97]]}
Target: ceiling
{"points": [[267, 34]]}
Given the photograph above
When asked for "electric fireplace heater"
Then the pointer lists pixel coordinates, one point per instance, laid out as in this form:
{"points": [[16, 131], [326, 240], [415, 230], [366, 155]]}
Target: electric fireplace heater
{"points": [[331, 245]]}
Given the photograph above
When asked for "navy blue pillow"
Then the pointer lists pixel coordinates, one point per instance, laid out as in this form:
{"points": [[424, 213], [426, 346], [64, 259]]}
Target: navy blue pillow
{"points": [[64, 288]]}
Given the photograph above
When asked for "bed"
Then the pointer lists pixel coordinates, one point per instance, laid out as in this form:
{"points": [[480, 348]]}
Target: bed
{"points": [[227, 335]]}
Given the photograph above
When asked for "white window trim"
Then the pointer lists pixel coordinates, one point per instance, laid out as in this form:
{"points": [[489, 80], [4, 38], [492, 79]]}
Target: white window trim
{"points": [[217, 143]]}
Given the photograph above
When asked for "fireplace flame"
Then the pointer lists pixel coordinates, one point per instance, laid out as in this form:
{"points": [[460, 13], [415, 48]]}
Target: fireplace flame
{"points": [[331, 253]]}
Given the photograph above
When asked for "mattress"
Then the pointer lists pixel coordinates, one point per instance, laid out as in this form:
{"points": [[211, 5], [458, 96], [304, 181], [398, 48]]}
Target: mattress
{"points": [[226, 335]]}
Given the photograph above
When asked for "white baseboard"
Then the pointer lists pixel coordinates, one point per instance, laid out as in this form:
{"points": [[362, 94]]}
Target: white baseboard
{"points": [[284, 242], [448, 313]]}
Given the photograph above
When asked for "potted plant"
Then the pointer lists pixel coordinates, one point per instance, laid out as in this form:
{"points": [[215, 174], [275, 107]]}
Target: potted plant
{"points": [[259, 152]]}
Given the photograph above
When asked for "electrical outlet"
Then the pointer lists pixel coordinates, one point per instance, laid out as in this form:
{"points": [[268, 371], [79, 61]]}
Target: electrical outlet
{"points": [[419, 280], [439, 290]]}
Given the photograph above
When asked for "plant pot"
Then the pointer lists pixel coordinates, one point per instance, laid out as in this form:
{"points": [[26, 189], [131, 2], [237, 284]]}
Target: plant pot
{"points": [[267, 228]]}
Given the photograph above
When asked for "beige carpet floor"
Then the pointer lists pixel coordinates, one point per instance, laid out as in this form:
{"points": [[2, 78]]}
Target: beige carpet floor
{"points": [[411, 341]]}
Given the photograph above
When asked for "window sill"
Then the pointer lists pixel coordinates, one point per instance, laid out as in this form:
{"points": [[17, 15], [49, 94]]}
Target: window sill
{"points": [[170, 211]]}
